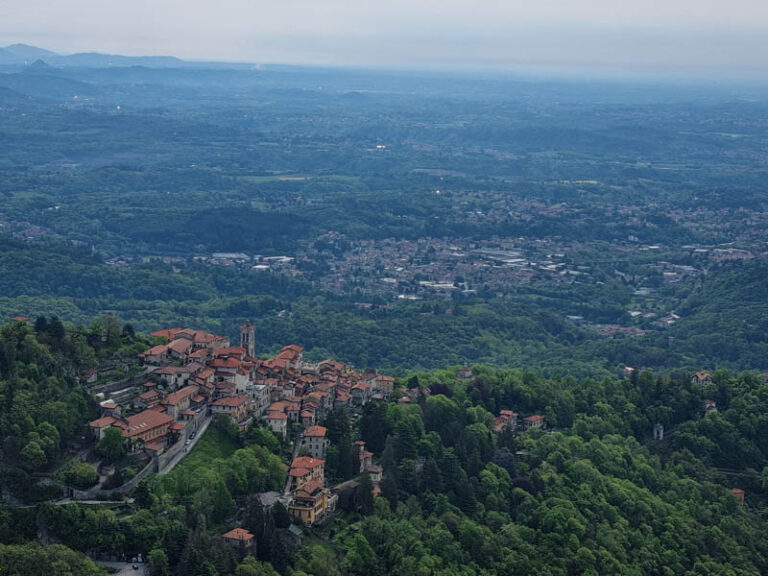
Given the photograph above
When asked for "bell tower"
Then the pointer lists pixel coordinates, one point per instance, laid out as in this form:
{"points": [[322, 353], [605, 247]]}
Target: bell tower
{"points": [[247, 337]]}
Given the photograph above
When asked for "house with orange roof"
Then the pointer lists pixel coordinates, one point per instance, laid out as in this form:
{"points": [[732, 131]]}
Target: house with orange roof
{"points": [[179, 348], [306, 469], [230, 352], [534, 421], [147, 426], [99, 425], [506, 420], [155, 356], [307, 418], [342, 399], [361, 393], [240, 539], [236, 407], [314, 441], [278, 423], [176, 402], [309, 503], [148, 399], [702, 378], [167, 333]]}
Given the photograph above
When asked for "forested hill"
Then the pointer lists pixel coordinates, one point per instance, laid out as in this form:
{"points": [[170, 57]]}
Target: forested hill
{"points": [[461, 493]]}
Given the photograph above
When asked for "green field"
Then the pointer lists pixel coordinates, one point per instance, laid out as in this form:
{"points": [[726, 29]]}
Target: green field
{"points": [[214, 444]]}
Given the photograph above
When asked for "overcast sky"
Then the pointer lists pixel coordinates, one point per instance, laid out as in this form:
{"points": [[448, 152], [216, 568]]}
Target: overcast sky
{"points": [[636, 34]]}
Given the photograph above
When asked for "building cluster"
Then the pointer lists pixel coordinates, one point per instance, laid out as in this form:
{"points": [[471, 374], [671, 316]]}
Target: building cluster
{"points": [[508, 420], [197, 375]]}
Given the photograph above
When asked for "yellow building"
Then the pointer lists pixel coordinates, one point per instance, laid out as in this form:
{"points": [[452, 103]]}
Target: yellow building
{"points": [[310, 503]]}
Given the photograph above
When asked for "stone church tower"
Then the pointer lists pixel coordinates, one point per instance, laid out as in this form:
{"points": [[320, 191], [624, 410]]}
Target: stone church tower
{"points": [[247, 337]]}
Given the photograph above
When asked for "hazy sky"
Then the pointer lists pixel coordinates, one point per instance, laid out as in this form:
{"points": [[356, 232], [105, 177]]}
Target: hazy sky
{"points": [[693, 34]]}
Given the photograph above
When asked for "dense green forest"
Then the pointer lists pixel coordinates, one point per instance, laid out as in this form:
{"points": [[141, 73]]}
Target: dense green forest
{"points": [[596, 495]]}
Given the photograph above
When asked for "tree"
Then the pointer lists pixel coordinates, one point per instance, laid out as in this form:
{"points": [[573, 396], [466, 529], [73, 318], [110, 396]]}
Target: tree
{"points": [[281, 516], [33, 456], [158, 562], [433, 480], [252, 567], [364, 495], [56, 331], [112, 445], [128, 332], [111, 327], [389, 489], [359, 557], [318, 561], [41, 325]]}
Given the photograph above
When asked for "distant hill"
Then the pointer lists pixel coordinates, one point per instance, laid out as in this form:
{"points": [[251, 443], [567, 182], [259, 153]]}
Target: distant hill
{"points": [[39, 67], [17, 55], [98, 60], [28, 52], [41, 84]]}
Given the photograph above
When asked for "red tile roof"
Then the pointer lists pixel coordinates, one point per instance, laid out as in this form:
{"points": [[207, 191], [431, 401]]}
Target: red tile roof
{"points": [[238, 534], [144, 421], [103, 422], [167, 333], [306, 462], [155, 351], [179, 395], [180, 345], [315, 431], [231, 401]]}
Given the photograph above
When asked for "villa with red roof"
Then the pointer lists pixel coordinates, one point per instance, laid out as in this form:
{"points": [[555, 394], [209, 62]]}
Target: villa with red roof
{"points": [[534, 421], [305, 469], [314, 441]]}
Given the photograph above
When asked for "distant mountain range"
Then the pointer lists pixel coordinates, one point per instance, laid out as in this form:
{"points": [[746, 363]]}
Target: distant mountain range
{"points": [[17, 55]]}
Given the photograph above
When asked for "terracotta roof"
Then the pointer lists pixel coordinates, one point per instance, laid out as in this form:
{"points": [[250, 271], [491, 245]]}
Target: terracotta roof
{"points": [[178, 426], [231, 401], [231, 351], [206, 373], [155, 350], [306, 462], [143, 421], [238, 534], [225, 363], [103, 422], [277, 416], [315, 431], [312, 487], [298, 472], [167, 333], [202, 353], [180, 345], [534, 418], [179, 395]]}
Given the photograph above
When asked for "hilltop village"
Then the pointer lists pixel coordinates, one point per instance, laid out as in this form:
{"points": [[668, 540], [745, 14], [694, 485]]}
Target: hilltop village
{"points": [[195, 377]]}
